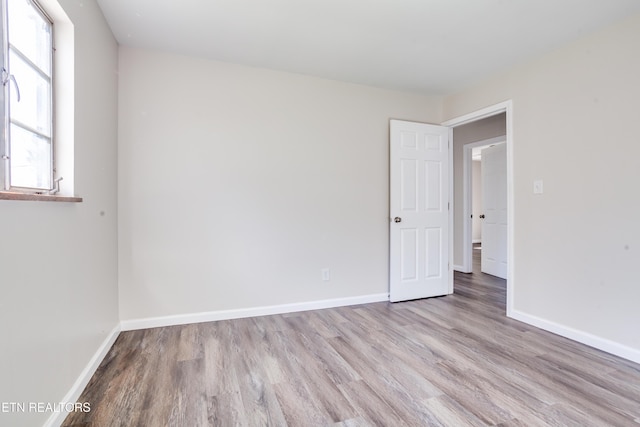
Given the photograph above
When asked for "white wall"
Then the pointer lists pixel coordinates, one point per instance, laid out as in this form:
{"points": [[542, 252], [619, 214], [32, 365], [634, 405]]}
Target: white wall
{"points": [[576, 246], [238, 185], [58, 261]]}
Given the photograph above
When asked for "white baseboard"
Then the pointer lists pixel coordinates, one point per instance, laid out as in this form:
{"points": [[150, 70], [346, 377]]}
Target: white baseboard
{"points": [[57, 418], [460, 268], [594, 341], [211, 316]]}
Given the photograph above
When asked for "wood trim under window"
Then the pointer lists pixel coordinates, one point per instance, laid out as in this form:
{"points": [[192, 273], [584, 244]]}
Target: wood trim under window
{"points": [[9, 195]]}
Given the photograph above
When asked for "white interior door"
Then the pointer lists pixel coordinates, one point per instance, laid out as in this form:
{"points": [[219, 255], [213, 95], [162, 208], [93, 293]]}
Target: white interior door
{"points": [[494, 205], [419, 204]]}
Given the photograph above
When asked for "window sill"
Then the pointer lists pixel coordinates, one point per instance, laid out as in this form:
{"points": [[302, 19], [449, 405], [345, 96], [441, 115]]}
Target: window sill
{"points": [[8, 195]]}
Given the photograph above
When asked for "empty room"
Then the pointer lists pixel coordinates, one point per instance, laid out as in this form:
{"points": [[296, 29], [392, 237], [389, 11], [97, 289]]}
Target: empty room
{"points": [[307, 213]]}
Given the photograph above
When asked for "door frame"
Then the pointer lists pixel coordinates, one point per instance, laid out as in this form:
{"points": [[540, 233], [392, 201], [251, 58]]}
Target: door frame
{"points": [[507, 108], [467, 187]]}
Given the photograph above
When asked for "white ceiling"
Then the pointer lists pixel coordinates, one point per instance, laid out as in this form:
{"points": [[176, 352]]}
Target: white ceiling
{"points": [[426, 46]]}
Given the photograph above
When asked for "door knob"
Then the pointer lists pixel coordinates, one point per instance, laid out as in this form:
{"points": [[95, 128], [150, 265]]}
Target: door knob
{"points": [[482, 216], [397, 219]]}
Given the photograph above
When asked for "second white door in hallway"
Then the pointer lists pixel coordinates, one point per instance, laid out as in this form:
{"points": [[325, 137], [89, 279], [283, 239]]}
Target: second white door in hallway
{"points": [[494, 204]]}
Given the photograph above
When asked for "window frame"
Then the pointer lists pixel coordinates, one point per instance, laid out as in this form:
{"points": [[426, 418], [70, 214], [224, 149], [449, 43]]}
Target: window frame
{"points": [[5, 100]]}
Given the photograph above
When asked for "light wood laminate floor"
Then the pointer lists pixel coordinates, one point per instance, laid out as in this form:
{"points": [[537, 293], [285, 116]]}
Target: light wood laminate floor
{"points": [[452, 361]]}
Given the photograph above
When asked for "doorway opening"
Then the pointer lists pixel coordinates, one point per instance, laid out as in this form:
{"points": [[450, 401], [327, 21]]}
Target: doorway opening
{"points": [[469, 131], [484, 194]]}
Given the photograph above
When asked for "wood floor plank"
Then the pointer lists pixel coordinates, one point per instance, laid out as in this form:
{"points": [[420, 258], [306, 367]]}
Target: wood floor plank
{"points": [[373, 408], [190, 406], [226, 409], [333, 365], [449, 413], [190, 343], [353, 422], [258, 395], [392, 384], [299, 406], [450, 361], [324, 392]]}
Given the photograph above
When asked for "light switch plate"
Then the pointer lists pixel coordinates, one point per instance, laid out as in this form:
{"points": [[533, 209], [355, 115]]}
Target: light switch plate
{"points": [[537, 186]]}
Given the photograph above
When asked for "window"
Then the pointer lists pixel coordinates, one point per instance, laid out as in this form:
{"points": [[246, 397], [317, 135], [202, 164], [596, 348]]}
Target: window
{"points": [[26, 98]]}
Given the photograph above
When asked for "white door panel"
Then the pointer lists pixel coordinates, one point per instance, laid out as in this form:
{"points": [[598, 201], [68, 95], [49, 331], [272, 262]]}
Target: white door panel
{"points": [[409, 254], [419, 188], [494, 204]]}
